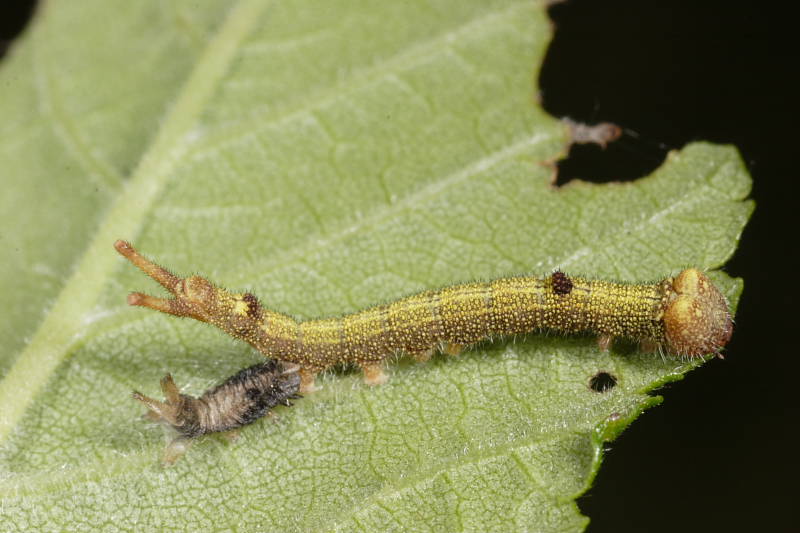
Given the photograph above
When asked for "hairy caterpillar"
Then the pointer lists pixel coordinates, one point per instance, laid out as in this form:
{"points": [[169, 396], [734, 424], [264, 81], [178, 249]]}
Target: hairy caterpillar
{"points": [[240, 400], [685, 315]]}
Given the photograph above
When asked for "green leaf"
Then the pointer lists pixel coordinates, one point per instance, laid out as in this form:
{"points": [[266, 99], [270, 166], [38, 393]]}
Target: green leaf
{"points": [[326, 156]]}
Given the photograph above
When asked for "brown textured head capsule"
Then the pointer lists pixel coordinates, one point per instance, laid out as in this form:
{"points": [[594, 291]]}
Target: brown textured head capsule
{"points": [[696, 319], [196, 297]]}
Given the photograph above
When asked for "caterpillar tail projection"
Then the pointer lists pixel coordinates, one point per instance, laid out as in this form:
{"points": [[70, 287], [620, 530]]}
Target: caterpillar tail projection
{"points": [[685, 315]]}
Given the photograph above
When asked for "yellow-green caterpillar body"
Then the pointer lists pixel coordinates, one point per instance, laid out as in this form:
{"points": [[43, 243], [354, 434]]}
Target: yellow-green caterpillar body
{"points": [[685, 315]]}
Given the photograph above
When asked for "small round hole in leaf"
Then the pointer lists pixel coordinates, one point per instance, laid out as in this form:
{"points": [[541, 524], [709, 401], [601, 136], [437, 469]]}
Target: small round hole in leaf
{"points": [[602, 382]]}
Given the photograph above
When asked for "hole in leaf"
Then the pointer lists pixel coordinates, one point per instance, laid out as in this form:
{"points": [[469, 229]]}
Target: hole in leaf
{"points": [[602, 382], [14, 16]]}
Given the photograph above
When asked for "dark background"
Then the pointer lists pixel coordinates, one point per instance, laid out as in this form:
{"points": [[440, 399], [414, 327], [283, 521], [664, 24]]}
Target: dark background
{"points": [[720, 453]]}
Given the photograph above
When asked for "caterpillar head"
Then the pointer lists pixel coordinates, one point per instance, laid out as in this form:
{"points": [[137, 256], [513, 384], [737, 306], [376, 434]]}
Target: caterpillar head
{"points": [[696, 319], [194, 296], [177, 410]]}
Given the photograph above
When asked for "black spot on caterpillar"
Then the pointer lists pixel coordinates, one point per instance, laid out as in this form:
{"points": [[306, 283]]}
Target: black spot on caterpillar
{"points": [[561, 283], [685, 316], [253, 307], [240, 400]]}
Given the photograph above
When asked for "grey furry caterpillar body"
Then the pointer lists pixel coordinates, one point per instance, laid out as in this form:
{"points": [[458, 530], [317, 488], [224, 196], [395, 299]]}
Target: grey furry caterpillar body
{"points": [[685, 316], [240, 400]]}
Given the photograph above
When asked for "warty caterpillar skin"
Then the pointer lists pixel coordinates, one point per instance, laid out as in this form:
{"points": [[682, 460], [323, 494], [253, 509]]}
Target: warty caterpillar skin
{"points": [[684, 316], [240, 400]]}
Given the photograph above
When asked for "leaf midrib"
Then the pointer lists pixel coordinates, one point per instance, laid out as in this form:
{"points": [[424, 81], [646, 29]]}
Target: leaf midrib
{"points": [[64, 321]]}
